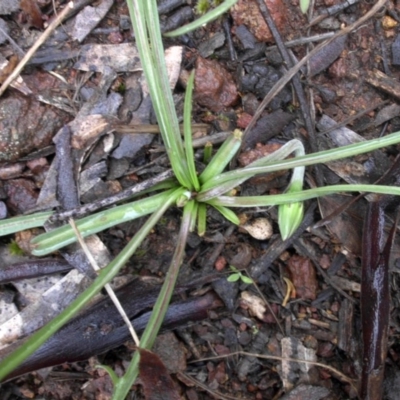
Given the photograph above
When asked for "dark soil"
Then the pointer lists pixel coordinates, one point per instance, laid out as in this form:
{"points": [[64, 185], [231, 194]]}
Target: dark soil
{"points": [[246, 346]]}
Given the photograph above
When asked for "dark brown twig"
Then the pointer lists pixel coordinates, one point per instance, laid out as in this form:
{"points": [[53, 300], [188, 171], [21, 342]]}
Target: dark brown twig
{"points": [[32, 269], [375, 301]]}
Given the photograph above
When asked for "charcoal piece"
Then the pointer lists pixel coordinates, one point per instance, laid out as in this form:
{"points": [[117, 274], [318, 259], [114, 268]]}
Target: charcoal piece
{"points": [[118, 168], [207, 48], [327, 55], [176, 20], [32, 269], [259, 79], [227, 291], [91, 176], [246, 37], [274, 57], [130, 145], [52, 55], [166, 6], [88, 19], [267, 127], [396, 51], [67, 191], [248, 82], [253, 54], [248, 362], [230, 337]]}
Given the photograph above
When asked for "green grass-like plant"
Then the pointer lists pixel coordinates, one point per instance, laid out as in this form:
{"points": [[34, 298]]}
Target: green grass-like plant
{"points": [[192, 191]]}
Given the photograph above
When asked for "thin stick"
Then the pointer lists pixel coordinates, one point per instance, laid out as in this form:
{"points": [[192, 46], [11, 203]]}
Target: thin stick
{"points": [[109, 289], [124, 195], [339, 374], [44, 36]]}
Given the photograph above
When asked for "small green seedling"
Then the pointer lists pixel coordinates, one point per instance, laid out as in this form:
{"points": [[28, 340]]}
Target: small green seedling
{"points": [[14, 249], [238, 275], [202, 6]]}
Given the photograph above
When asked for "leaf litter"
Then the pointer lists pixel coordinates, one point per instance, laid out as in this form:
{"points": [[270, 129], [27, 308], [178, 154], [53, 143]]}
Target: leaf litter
{"points": [[316, 323]]}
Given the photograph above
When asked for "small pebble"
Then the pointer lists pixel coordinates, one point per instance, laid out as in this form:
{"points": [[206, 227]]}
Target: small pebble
{"points": [[3, 210]]}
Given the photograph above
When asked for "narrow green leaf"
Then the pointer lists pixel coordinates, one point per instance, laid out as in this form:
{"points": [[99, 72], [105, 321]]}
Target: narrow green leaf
{"points": [[207, 153], [111, 373], [16, 224], [145, 21], [233, 278], [187, 129], [61, 237], [223, 156], [273, 200], [205, 19], [309, 159], [194, 216], [294, 145], [228, 214], [201, 219]]}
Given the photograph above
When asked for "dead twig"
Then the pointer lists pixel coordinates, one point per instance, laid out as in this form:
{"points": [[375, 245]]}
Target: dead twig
{"points": [[336, 372], [375, 300]]}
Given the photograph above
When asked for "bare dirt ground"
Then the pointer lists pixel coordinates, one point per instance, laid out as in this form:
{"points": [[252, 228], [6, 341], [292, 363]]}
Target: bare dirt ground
{"points": [[306, 303]]}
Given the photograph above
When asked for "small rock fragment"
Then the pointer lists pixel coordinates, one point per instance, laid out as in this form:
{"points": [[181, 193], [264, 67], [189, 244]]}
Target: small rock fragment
{"points": [[21, 195], [255, 304], [8, 6], [122, 57], [388, 22], [89, 18], [131, 144], [304, 277], [171, 352], [214, 86], [209, 46], [246, 37], [3, 210], [259, 228], [25, 125], [246, 12]]}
